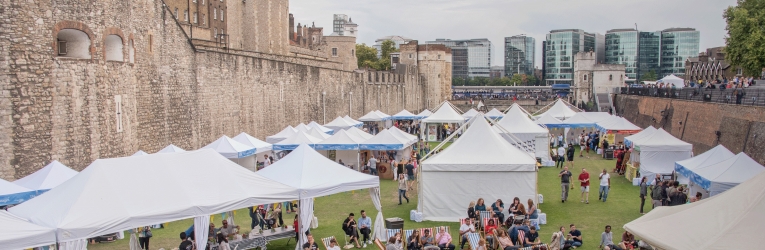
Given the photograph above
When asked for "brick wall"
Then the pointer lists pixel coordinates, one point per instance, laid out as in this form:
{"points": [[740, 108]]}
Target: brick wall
{"points": [[742, 128], [79, 110]]}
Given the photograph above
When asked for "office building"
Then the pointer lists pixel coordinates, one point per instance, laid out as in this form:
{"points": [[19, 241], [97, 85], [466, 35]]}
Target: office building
{"points": [[560, 48], [677, 45], [397, 41], [470, 58], [519, 55], [342, 25], [663, 52], [497, 72]]}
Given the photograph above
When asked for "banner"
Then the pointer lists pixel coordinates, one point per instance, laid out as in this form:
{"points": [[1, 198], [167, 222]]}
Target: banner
{"points": [[432, 132]]}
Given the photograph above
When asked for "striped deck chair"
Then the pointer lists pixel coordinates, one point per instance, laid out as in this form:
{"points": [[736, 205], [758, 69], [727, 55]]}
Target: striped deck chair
{"points": [[391, 232], [326, 241], [536, 247], [484, 216], [379, 244], [422, 231], [407, 233], [521, 238], [473, 240]]}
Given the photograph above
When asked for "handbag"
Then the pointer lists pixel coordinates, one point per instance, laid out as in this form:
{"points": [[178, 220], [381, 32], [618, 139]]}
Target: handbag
{"points": [[148, 233]]}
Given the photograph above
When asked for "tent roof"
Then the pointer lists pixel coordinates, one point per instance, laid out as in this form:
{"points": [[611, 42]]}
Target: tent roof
{"points": [[578, 121], [339, 123], [318, 134], [48, 177], [712, 156], [302, 127], [7, 187], [595, 116], [425, 113], [248, 140], [662, 141], [384, 115], [515, 121], [515, 106], [11, 193], [737, 212], [321, 128], [17, 233], [470, 113], [560, 110], [351, 120], [295, 140], [480, 149], [139, 153], [403, 134], [230, 148], [617, 124], [640, 135], [404, 115], [359, 133], [445, 114], [549, 121], [733, 170], [494, 113], [341, 140], [313, 175], [183, 185], [372, 116], [284, 134], [385, 140], [171, 149]]}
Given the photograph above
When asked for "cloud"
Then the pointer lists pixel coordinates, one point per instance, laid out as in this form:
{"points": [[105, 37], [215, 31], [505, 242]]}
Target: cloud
{"points": [[426, 20]]}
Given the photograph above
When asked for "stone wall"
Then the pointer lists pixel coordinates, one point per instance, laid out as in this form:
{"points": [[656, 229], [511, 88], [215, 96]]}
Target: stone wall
{"points": [[742, 128], [79, 110]]}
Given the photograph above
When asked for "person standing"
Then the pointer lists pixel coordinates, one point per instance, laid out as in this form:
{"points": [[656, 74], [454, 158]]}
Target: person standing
{"points": [[570, 155], [373, 165], [643, 192], [409, 168], [266, 161], [656, 191], [144, 234], [565, 182], [561, 156], [605, 184], [402, 187], [584, 182]]}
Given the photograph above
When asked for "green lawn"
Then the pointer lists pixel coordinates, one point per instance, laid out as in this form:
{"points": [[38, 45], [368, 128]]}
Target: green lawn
{"points": [[622, 207]]}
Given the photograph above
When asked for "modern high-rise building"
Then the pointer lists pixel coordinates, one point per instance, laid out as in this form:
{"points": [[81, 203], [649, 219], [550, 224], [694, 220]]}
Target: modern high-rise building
{"points": [[622, 48], [342, 25], [470, 58], [397, 41], [560, 48], [663, 52], [677, 44], [519, 55]]}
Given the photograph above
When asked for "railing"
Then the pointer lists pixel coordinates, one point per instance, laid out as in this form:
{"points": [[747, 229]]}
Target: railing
{"points": [[746, 96]]}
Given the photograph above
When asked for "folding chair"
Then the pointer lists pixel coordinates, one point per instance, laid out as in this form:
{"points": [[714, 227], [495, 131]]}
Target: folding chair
{"points": [[521, 238], [473, 239], [326, 241], [407, 234], [485, 215], [391, 232]]}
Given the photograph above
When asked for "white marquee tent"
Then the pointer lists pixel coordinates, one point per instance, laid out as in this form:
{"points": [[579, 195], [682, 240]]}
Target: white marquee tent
{"points": [[48, 177], [284, 134], [295, 140], [339, 123], [313, 175], [402, 134], [11, 194], [516, 106], [677, 82], [318, 134], [86, 205], [737, 213], [386, 140], [302, 128], [346, 145], [445, 114], [171, 149], [470, 113], [595, 116], [684, 168], [246, 139], [373, 116], [17, 233], [316, 126], [522, 127], [139, 153], [659, 152], [618, 125], [560, 110], [352, 121], [425, 113], [719, 177], [579, 121], [405, 115], [238, 152], [479, 164], [642, 134], [550, 121], [494, 113], [360, 133]]}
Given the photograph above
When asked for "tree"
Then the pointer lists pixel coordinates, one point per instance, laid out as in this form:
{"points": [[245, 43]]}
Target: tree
{"points": [[649, 76], [745, 44], [458, 81], [367, 56], [516, 80]]}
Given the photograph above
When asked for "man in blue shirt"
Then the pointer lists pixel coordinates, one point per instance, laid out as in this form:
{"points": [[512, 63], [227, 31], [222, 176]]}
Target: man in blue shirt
{"points": [[365, 224]]}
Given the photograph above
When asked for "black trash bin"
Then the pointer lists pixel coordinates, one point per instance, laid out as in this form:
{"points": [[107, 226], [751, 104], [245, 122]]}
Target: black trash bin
{"points": [[394, 223]]}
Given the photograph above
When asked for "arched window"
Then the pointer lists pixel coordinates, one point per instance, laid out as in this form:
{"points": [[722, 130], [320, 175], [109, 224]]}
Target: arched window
{"points": [[73, 43], [131, 51], [113, 48], [221, 14]]}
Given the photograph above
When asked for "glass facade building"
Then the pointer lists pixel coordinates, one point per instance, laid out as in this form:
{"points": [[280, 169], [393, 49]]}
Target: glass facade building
{"points": [[519, 55], [622, 48], [648, 54], [677, 45], [560, 48], [473, 53]]}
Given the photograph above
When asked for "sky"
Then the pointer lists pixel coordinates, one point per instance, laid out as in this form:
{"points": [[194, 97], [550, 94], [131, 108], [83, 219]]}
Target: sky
{"points": [[426, 20]]}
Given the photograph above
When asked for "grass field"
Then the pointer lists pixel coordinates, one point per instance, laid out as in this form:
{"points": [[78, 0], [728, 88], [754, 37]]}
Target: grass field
{"points": [[622, 206]]}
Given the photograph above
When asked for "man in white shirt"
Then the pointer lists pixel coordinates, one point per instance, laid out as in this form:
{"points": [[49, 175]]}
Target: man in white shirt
{"points": [[605, 184], [266, 161], [467, 227], [561, 156]]}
